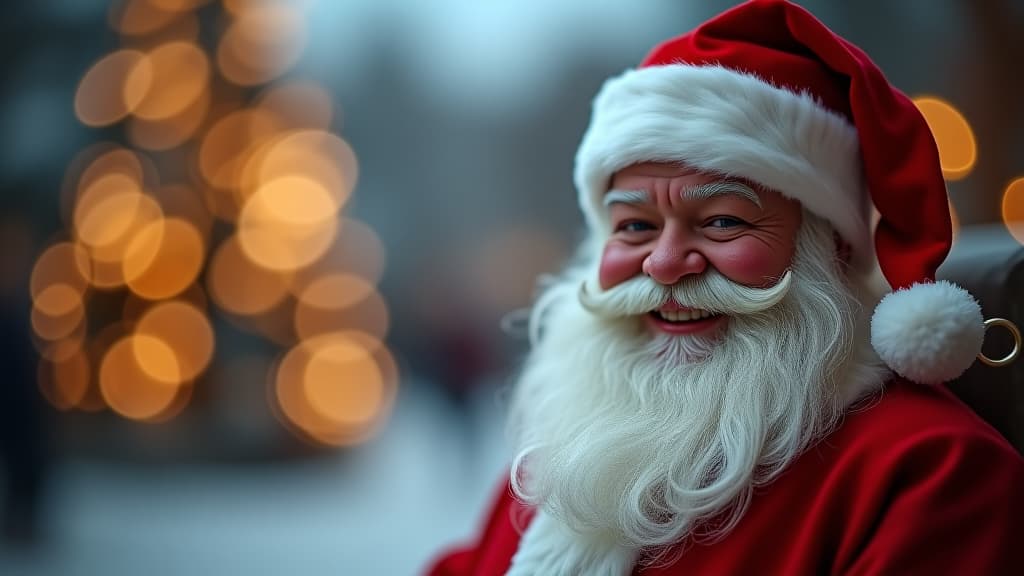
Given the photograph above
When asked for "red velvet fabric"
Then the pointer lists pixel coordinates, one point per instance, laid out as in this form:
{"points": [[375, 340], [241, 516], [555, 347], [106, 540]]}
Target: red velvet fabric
{"points": [[914, 484], [788, 47]]}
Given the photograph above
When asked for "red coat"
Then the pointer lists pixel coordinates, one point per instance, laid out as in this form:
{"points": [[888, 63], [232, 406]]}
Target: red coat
{"points": [[915, 484]]}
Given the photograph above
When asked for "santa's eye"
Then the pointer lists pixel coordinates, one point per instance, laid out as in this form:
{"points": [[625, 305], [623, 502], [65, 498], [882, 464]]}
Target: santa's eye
{"points": [[634, 226], [725, 222]]}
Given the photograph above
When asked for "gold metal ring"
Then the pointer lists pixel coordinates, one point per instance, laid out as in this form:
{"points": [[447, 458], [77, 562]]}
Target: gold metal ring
{"points": [[1016, 342]]}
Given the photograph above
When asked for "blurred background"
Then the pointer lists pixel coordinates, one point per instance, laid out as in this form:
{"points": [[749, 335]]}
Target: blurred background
{"points": [[264, 262]]}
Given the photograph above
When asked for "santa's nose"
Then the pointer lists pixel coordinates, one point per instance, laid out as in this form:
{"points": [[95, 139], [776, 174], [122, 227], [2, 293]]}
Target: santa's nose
{"points": [[671, 260]]}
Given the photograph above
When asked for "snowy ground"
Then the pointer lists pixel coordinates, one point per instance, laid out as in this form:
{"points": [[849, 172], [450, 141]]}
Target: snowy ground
{"points": [[383, 510]]}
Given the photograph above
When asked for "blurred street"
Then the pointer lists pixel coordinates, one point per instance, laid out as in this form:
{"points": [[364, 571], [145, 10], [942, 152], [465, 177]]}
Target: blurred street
{"points": [[383, 509]]}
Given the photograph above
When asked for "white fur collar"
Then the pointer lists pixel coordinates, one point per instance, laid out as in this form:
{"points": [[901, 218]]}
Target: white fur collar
{"points": [[550, 548]]}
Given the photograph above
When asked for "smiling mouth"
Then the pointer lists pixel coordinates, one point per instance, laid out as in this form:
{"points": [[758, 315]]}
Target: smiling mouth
{"points": [[680, 320], [682, 315]]}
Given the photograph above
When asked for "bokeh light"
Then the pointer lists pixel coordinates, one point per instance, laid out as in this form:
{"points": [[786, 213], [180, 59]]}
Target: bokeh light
{"points": [[186, 330], [958, 149], [369, 314], [356, 250], [343, 384], [186, 203], [100, 161], [135, 307], [298, 105], [288, 223], [333, 389], [313, 154], [128, 388], [163, 258], [119, 314], [107, 210], [173, 76], [183, 27], [177, 5], [139, 17], [170, 132], [225, 148], [103, 96], [1013, 208], [263, 41], [239, 286], [64, 383], [63, 348], [63, 263], [338, 290], [109, 228], [56, 311], [156, 358]]}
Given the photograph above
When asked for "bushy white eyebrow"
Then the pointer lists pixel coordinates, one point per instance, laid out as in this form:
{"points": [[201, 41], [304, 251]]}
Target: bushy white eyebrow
{"points": [[626, 197], [722, 188]]}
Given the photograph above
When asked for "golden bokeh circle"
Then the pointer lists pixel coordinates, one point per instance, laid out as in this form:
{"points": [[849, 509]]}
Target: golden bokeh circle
{"points": [[313, 154], [1013, 208], [102, 97], [164, 258], [334, 389], [178, 74], [57, 311], [239, 286], [958, 149], [173, 131], [261, 43], [157, 358], [128, 388], [186, 330], [288, 223], [107, 209], [343, 384], [226, 146], [128, 215], [65, 263]]}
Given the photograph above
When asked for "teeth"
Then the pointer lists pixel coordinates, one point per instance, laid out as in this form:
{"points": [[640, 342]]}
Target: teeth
{"points": [[684, 315]]}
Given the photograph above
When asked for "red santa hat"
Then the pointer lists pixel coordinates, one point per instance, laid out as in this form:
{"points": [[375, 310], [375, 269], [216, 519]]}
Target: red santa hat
{"points": [[768, 93]]}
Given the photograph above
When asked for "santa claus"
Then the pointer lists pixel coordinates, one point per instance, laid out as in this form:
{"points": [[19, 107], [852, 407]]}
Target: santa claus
{"points": [[741, 373]]}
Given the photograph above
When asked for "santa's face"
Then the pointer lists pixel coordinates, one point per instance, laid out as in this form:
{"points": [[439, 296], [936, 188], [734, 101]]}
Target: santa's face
{"points": [[670, 222], [636, 426]]}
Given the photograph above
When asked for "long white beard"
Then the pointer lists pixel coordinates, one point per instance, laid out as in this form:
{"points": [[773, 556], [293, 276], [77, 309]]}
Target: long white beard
{"points": [[621, 437]]}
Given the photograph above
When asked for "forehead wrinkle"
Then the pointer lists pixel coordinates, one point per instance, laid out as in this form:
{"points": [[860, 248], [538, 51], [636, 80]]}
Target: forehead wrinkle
{"points": [[626, 197], [722, 188]]}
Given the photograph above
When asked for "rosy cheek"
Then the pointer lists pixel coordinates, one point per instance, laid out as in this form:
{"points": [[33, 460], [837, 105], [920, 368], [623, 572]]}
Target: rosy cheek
{"points": [[751, 262], [618, 264]]}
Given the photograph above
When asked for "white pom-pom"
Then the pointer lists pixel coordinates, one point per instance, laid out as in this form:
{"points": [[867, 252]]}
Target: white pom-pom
{"points": [[928, 333]]}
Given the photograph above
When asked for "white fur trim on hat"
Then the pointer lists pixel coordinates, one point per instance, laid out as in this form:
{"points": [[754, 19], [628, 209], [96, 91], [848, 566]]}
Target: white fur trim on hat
{"points": [[719, 120], [928, 333]]}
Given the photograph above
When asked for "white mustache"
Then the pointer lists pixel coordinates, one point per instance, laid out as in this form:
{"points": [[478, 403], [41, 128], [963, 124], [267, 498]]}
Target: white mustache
{"points": [[709, 291]]}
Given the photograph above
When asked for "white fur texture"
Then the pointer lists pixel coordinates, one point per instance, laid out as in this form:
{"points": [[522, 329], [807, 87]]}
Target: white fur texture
{"points": [[736, 124], [549, 548], [928, 333], [624, 442]]}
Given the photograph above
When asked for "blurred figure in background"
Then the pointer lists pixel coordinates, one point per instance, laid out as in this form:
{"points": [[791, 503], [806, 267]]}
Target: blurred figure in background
{"points": [[718, 385]]}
